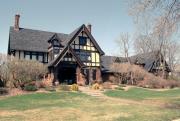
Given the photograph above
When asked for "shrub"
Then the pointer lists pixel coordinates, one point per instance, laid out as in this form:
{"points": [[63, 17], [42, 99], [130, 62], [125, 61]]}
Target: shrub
{"points": [[128, 73], [64, 87], [74, 87], [135, 75], [151, 81], [16, 73], [3, 91], [30, 88], [96, 86]]}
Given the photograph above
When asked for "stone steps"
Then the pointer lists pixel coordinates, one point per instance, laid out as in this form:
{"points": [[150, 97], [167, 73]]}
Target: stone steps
{"points": [[91, 92]]}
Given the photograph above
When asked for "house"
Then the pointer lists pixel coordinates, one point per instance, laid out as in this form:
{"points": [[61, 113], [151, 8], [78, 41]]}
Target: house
{"points": [[71, 58], [152, 62]]}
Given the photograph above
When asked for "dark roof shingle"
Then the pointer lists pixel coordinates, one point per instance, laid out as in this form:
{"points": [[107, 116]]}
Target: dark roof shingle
{"points": [[31, 40]]}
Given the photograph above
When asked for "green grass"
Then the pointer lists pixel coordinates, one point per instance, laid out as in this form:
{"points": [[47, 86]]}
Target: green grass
{"points": [[142, 94], [76, 106], [40, 100]]}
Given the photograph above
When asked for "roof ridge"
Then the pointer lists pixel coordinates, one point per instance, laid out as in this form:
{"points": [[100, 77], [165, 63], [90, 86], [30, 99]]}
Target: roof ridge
{"points": [[40, 30]]}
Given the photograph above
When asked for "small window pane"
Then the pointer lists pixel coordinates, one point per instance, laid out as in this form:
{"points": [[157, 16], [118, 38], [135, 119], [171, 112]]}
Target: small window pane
{"points": [[27, 57], [33, 57], [76, 46], [76, 42], [81, 47], [82, 40], [40, 58], [93, 57], [88, 42], [88, 48], [56, 43], [92, 48], [93, 64], [97, 64], [97, 57]]}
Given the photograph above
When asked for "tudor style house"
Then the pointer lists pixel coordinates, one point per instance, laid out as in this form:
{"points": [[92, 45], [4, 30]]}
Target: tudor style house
{"points": [[71, 58]]}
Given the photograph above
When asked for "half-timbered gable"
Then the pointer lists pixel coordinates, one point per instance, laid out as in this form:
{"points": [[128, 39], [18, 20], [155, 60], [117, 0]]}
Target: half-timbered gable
{"points": [[86, 50], [87, 54]]}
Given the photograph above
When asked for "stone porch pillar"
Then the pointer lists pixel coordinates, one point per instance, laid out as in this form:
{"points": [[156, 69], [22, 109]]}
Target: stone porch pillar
{"points": [[98, 75], [79, 77]]}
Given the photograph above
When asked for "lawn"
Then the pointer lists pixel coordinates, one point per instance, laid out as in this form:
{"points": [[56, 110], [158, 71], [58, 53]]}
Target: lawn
{"points": [[76, 106], [137, 93]]}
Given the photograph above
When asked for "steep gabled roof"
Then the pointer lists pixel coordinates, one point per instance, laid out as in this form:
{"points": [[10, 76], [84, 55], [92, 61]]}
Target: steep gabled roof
{"points": [[107, 61], [76, 32], [36, 40], [146, 59], [93, 41], [31, 40], [58, 59], [71, 38]]}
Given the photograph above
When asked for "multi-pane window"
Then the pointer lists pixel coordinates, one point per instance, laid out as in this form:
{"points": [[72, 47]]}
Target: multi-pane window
{"points": [[68, 57], [86, 51], [82, 40], [55, 42], [36, 56]]}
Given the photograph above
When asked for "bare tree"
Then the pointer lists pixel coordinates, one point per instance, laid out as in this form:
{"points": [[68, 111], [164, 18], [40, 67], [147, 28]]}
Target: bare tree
{"points": [[123, 43], [173, 54], [14, 72], [165, 16]]}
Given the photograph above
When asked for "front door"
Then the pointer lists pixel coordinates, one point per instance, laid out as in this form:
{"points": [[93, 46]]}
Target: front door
{"points": [[67, 75]]}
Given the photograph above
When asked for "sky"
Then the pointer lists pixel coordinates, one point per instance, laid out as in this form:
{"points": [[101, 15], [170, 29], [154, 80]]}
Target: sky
{"points": [[108, 18]]}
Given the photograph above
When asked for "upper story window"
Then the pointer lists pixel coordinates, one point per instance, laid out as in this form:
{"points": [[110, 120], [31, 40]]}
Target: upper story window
{"points": [[55, 42], [82, 40]]}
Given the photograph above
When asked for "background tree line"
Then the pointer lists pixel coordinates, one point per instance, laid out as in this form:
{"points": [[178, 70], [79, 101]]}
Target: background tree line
{"points": [[157, 29]]}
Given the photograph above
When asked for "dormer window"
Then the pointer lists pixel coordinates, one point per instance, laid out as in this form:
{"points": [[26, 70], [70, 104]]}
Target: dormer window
{"points": [[55, 42], [82, 40]]}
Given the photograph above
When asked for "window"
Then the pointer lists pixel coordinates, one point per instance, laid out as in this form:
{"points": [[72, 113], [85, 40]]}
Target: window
{"points": [[88, 42], [27, 55], [97, 64], [93, 57], [55, 42], [77, 42], [34, 56], [76, 47], [82, 40], [40, 57], [97, 57], [85, 56], [56, 50]]}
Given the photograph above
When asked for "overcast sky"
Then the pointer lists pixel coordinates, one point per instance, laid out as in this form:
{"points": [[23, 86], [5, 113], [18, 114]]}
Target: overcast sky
{"points": [[108, 18]]}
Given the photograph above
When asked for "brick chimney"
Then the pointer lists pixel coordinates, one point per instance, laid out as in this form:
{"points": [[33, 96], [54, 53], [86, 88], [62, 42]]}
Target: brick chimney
{"points": [[89, 27], [16, 23]]}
